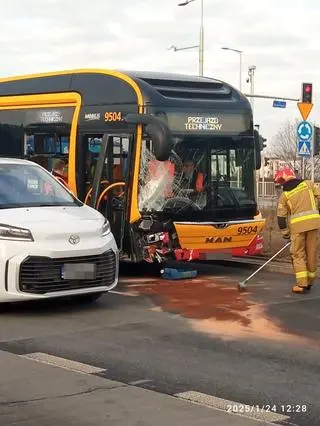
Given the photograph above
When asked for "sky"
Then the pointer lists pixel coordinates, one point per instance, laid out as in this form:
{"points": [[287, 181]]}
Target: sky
{"points": [[279, 37]]}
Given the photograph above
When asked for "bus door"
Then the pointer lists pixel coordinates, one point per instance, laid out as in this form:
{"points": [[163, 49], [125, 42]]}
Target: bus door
{"points": [[109, 174]]}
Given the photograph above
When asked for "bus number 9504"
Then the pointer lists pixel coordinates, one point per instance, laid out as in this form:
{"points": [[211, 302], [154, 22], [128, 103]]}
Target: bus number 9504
{"points": [[112, 116], [247, 230]]}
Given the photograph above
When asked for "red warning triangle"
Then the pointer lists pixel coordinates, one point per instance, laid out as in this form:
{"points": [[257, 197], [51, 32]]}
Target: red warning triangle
{"points": [[305, 110]]}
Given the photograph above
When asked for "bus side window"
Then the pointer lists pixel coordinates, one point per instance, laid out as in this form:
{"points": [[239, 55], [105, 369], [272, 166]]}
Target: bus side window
{"points": [[41, 134], [93, 144]]}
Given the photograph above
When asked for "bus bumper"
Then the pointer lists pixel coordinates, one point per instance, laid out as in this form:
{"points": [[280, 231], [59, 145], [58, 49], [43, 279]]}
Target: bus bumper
{"points": [[255, 249], [213, 241]]}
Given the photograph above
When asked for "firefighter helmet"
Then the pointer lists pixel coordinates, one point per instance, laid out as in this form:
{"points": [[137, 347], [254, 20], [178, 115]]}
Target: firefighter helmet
{"points": [[283, 175]]}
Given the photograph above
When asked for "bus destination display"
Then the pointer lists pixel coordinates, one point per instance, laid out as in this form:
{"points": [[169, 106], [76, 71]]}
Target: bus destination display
{"points": [[203, 123], [207, 123]]}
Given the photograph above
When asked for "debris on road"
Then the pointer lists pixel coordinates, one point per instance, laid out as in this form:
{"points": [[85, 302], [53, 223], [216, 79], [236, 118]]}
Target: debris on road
{"points": [[177, 274]]}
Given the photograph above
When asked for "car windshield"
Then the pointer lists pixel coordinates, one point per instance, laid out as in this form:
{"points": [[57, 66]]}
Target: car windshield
{"points": [[24, 185]]}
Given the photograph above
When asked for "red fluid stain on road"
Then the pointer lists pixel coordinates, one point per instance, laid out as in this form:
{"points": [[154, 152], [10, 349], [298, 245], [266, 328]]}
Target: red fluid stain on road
{"points": [[198, 299], [215, 307]]}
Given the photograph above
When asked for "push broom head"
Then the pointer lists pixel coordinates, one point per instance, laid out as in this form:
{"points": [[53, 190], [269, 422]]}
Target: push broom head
{"points": [[242, 285]]}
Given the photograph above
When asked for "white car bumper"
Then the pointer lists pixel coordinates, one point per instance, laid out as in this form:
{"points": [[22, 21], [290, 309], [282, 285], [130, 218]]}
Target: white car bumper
{"points": [[32, 271]]}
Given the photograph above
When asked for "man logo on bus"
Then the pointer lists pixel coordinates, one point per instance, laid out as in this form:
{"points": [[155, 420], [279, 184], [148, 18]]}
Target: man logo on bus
{"points": [[216, 240]]}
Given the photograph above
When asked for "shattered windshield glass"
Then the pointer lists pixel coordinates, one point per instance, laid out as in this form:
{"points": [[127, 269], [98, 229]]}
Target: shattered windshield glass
{"points": [[199, 175]]}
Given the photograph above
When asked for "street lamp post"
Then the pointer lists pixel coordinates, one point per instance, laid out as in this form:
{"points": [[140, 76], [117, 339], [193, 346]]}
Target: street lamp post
{"points": [[250, 80], [176, 49], [201, 43], [240, 68]]}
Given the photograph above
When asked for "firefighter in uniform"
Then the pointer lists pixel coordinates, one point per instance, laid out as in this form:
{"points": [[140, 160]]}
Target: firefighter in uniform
{"points": [[299, 219]]}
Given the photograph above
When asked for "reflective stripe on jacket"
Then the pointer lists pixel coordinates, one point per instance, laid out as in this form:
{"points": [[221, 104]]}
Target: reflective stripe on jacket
{"points": [[298, 209]]}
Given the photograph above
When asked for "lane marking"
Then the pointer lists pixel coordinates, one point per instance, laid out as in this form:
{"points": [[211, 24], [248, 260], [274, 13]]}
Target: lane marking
{"points": [[232, 407], [139, 382], [125, 293], [136, 285], [64, 363]]}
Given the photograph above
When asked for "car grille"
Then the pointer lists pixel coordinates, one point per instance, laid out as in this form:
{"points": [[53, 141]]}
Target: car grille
{"points": [[43, 274]]}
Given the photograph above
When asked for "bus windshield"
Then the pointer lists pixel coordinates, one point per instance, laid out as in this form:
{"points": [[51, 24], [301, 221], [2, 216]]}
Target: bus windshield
{"points": [[202, 175]]}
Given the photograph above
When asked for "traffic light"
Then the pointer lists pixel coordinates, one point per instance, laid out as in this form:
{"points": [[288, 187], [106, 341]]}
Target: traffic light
{"points": [[260, 140], [263, 144], [307, 93], [316, 148]]}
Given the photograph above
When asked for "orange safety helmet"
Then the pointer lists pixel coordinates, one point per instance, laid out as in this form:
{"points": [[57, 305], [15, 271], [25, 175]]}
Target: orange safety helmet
{"points": [[283, 175]]}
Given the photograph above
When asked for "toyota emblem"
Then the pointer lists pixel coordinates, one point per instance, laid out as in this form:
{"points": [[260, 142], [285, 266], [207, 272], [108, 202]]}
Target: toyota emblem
{"points": [[74, 239]]}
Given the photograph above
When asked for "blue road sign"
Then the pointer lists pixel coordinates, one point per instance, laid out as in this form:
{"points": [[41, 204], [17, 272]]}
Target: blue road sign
{"points": [[304, 131], [279, 104], [304, 148]]}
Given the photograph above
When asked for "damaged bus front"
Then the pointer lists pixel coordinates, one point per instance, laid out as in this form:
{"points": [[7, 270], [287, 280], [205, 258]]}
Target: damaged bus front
{"points": [[200, 203]]}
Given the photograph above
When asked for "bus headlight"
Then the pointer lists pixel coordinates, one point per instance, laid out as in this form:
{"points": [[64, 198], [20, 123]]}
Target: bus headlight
{"points": [[106, 228], [13, 233]]}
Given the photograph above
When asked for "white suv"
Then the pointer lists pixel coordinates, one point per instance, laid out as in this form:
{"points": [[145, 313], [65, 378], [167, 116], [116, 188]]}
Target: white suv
{"points": [[51, 244]]}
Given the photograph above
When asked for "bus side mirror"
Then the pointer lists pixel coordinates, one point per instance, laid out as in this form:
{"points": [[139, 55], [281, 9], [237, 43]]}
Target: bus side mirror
{"points": [[158, 132]]}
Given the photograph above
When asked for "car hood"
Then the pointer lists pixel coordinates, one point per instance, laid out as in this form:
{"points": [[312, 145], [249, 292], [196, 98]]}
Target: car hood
{"points": [[32, 217]]}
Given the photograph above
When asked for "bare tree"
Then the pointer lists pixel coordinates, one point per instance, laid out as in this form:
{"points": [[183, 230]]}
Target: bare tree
{"points": [[284, 144], [284, 147]]}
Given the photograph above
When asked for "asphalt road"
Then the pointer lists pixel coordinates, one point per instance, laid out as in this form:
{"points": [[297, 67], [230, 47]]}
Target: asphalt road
{"points": [[259, 348]]}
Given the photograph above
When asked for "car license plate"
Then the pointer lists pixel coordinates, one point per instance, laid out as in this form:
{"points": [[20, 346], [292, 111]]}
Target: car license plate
{"points": [[78, 271]]}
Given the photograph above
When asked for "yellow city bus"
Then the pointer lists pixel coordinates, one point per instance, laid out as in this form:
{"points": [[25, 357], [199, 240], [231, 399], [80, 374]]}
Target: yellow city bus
{"points": [[169, 159]]}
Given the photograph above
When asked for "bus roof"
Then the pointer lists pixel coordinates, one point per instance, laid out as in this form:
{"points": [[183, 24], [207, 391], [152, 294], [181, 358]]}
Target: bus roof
{"points": [[172, 88], [146, 87]]}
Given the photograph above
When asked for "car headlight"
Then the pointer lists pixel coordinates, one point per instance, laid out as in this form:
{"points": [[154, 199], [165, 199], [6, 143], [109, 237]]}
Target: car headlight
{"points": [[13, 233], [106, 228]]}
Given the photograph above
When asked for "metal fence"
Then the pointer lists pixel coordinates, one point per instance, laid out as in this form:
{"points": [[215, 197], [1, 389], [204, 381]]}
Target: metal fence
{"points": [[264, 189], [267, 193]]}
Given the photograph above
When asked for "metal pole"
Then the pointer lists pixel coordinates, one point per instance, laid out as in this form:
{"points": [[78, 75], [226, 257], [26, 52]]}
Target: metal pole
{"points": [[271, 97], [176, 49], [312, 154], [263, 181], [251, 77], [240, 80], [251, 80], [201, 44]]}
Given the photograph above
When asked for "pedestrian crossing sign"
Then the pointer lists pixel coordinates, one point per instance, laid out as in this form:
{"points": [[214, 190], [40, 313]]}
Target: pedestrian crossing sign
{"points": [[304, 148]]}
